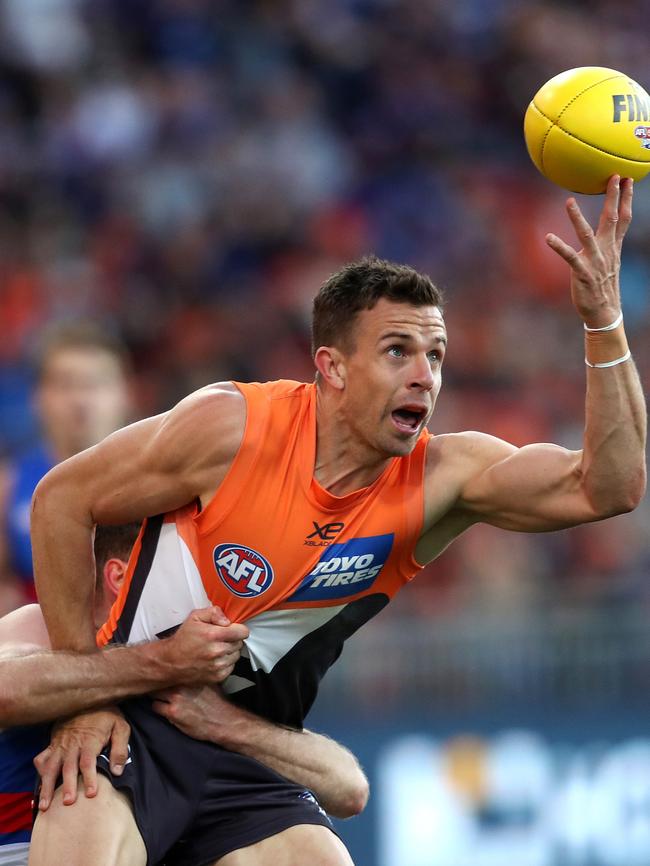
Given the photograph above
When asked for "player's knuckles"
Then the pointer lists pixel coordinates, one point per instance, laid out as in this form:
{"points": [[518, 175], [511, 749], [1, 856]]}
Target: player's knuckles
{"points": [[160, 707], [88, 759], [222, 675], [122, 727], [44, 759], [172, 710], [228, 651], [119, 735], [219, 649]]}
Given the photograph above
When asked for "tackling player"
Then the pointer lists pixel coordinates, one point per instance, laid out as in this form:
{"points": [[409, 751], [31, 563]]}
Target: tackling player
{"points": [[37, 685]]}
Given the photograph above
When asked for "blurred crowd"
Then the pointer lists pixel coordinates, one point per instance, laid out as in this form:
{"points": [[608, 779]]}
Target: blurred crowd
{"points": [[185, 173]]}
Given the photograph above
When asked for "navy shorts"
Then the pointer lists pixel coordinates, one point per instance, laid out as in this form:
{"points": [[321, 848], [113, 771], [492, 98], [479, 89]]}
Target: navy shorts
{"points": [[194, 802]]}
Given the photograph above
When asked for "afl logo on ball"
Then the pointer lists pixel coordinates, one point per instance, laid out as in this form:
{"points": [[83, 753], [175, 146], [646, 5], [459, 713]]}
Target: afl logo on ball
{"points": [[245, 572]]}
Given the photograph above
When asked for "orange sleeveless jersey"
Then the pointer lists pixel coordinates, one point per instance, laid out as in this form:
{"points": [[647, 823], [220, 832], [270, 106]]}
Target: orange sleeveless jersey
{"points": [[273, 548]]}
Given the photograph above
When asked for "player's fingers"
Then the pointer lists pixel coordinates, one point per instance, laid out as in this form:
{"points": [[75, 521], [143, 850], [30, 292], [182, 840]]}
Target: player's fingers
{"points": [[625, 207], [70, 776], [88, 769], [161, 707], [48, 768], [223, 670], [568, 254], [163, 694], [229, 657], [222, 674], [235, 632], [223, 654], [43, 759], [225, 649], [219, 617], [582, 228], [608, 222], [119, 746], [212, 614]]}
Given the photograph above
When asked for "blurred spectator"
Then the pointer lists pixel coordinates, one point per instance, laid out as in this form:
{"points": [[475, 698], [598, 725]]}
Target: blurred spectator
{"points": [[81, 396]]}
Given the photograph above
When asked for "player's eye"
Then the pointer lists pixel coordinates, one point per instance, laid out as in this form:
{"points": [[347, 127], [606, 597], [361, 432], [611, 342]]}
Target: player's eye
{"points": [[434, 357], [396, 351]]}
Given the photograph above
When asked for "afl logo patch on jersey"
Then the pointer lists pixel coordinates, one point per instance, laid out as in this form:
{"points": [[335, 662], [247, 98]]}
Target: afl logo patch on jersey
{"points": [[245, 572]]}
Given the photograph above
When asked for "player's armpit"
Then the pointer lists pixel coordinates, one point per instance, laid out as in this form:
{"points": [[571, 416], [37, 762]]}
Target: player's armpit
{"points": [[536, 488]]}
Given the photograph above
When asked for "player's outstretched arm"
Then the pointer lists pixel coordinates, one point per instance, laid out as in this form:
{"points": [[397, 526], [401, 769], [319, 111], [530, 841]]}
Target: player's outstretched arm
{"points": [[38, 685], [324, 766], [543, 487], [151, 467]]}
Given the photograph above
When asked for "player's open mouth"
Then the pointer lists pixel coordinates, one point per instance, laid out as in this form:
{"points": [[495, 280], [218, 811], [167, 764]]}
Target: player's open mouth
{"points": [[407, 419]]}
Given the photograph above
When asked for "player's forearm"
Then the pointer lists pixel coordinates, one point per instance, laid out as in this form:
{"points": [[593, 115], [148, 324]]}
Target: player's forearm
{"points": [[613, 465], [64, 567], [312, 760], [43, 686]]}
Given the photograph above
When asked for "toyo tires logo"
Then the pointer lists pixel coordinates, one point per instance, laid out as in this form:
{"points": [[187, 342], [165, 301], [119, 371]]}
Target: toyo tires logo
{"points": [[348, 568], [243, 571]]}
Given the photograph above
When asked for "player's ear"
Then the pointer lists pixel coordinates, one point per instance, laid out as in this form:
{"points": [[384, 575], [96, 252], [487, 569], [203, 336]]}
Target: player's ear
{"points": [[114, 574], [330, 364]]}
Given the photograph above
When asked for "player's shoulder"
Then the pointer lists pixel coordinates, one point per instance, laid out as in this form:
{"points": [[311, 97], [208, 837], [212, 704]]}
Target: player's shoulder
{"points": [[470, 449], [212, 420], [215, 413], [23, 630], [276, 390], [220, 395]]}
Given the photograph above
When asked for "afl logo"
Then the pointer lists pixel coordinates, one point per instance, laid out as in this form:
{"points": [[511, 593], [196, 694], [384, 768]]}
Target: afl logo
{"points": [[245, 572]]}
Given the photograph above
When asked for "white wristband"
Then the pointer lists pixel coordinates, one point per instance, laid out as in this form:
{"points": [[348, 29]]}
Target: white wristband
{"points": [[625, 357], [617, 321]]}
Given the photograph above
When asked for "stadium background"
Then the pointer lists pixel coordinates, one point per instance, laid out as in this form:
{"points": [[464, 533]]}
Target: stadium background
{"points": [[187, 172]]}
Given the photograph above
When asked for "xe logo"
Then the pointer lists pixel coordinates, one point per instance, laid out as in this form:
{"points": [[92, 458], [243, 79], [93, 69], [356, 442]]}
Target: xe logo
{"points": [[245, 572], [326, 532]]}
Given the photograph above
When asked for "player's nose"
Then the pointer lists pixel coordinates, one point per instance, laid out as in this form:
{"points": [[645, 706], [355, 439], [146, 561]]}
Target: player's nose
{"points": [[421, 374]]}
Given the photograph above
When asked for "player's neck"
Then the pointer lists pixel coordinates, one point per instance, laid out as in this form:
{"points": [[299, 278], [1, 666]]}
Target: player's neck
{"points": [[344, 461]]}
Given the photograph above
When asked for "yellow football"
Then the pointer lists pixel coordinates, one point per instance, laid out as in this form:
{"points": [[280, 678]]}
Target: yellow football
{"points": [[586, 124]]}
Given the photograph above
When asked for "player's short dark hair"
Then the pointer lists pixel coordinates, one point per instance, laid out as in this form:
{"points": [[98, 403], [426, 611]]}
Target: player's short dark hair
{"points": [[79, 335], [113, 541], [358, 286]]}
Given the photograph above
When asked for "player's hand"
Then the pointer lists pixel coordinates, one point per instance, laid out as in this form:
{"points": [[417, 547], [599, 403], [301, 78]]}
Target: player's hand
{"points": [[595, 269], [199, 712], [205, 648], [74, 748]]}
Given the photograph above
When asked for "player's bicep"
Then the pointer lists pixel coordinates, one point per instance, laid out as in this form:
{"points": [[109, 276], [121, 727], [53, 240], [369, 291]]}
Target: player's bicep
{"points": [[142, 470], [110, 482], [536, 488], [153, 466]]}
